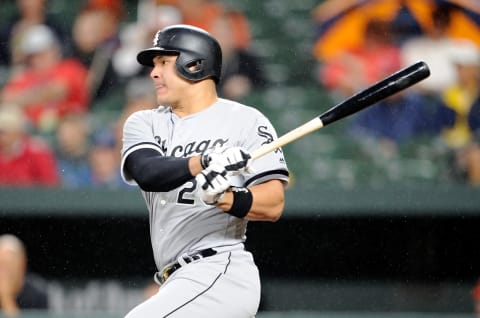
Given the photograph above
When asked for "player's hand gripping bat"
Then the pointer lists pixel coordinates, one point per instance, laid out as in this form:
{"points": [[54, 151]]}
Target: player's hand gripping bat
{"points": [[367, 97]]}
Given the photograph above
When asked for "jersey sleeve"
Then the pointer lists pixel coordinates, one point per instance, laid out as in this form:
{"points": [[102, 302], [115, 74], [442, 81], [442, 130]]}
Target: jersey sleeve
{"points": [[137, 134], [271, 165]]}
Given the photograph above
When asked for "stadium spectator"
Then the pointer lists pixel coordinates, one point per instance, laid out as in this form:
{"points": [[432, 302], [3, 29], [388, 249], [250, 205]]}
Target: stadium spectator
{"points": [[461, 98], [436, 48], [151, 17], [461, 95], [469, 158], [354, 69], [95, 40], [387, 122], [19, 289], [28, 13], [139, 94], [154, 15], [51, 85], [242, 71], [104, 159], [72, 146], [25, 161]]}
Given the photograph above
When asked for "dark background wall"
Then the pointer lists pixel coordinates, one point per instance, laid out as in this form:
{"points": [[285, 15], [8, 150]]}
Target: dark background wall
{"points": [[407, 247], [423, 249], [420, 253]]}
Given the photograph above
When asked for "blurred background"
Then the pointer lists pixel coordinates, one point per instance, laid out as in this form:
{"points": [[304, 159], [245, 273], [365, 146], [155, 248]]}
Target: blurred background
{"points": [[383, 212]]}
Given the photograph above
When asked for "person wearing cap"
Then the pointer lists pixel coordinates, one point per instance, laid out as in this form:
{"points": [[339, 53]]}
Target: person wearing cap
{"points": [[242, 71], [435, 48], [51, 85], [19, 289], [462, 94], [24, 161], [95, 35], [72, 145], [104, 161], [26, 14], [461, 99]]}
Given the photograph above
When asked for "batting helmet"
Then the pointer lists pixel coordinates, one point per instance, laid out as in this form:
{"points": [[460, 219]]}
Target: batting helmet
{"points": [[194, 46]]}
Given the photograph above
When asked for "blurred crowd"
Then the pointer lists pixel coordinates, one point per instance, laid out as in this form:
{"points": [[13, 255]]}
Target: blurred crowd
{"points": [[58, 75], [445, 107], [60, 111], [68, 84]]}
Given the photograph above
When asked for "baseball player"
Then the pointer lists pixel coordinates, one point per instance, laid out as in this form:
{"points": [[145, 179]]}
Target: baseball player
{"points": [[191, 159]]}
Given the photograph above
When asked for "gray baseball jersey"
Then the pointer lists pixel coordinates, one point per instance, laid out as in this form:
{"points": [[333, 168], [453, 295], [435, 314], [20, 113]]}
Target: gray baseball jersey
{"points": [[179, 221]]}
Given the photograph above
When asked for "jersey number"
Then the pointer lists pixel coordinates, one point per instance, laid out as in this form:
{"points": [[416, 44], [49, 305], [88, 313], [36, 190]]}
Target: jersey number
{"points": [[185, 195]]}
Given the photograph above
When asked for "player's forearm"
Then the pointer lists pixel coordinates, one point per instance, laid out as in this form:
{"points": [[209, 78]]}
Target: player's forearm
{"points": [[268, 201], [156, 173]]}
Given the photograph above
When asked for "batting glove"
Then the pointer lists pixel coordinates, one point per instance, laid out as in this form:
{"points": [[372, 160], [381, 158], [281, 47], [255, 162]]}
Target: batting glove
{"points": [[234, 159], [213, 182]]}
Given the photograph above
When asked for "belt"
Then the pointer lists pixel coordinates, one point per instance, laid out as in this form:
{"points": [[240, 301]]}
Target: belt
{"points": [[161, 277]]}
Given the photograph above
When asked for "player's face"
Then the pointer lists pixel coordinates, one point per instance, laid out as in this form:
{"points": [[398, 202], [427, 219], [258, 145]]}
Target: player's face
{"points": [[168, 84]]}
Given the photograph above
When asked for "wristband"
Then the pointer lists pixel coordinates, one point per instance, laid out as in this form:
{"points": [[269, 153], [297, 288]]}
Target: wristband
{"points": [[242, 202]]}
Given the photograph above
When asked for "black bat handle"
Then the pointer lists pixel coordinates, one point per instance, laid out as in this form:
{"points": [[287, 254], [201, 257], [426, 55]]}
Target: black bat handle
{"points": [[389, 86]]}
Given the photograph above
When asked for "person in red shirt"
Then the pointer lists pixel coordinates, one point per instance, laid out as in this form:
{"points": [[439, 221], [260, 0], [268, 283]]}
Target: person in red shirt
{"points": [[50, 86], [25, 161], [355, 69]]}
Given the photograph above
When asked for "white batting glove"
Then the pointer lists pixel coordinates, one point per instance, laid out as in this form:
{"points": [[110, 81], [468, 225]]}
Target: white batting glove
{"points": [[234, 159], [212, 183]]}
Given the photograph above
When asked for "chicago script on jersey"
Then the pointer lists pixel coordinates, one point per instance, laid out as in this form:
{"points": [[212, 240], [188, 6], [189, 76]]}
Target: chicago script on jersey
{"points": [[193, 148]]}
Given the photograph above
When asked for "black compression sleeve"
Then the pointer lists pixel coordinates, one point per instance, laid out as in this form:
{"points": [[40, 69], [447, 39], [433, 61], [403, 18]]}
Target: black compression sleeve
{"points": [[156, 173]]}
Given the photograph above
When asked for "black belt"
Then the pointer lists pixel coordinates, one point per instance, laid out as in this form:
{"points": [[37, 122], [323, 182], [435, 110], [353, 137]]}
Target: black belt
{"points": [[169, 270]]}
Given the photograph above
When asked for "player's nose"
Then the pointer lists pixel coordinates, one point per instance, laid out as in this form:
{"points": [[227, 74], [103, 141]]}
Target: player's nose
{"points": [[154, 73]]}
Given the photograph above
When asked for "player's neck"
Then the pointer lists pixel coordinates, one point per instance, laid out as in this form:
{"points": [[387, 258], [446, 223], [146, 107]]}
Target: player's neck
{"points": [[195, 100]]}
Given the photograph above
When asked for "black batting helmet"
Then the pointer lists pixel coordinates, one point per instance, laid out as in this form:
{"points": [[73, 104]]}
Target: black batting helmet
{"points": [[194, 46]]}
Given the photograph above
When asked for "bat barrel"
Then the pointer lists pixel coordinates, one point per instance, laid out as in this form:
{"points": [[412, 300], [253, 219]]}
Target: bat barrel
{"points": [[383, 89], [377, 92]]}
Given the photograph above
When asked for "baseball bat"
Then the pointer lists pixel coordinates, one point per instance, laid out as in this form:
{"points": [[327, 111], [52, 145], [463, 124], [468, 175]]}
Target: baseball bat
{"points": [[386, 87]]}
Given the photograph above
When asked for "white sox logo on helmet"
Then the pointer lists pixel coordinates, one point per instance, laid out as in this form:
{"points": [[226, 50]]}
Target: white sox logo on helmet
{"points": [[155, 38]]}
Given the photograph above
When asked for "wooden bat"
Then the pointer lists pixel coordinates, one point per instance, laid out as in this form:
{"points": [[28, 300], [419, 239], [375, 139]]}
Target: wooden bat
{"points": [[386, 87]]}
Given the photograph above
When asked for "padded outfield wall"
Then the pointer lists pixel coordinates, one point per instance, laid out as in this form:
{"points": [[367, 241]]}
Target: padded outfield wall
{"points": [[399, 248]]}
